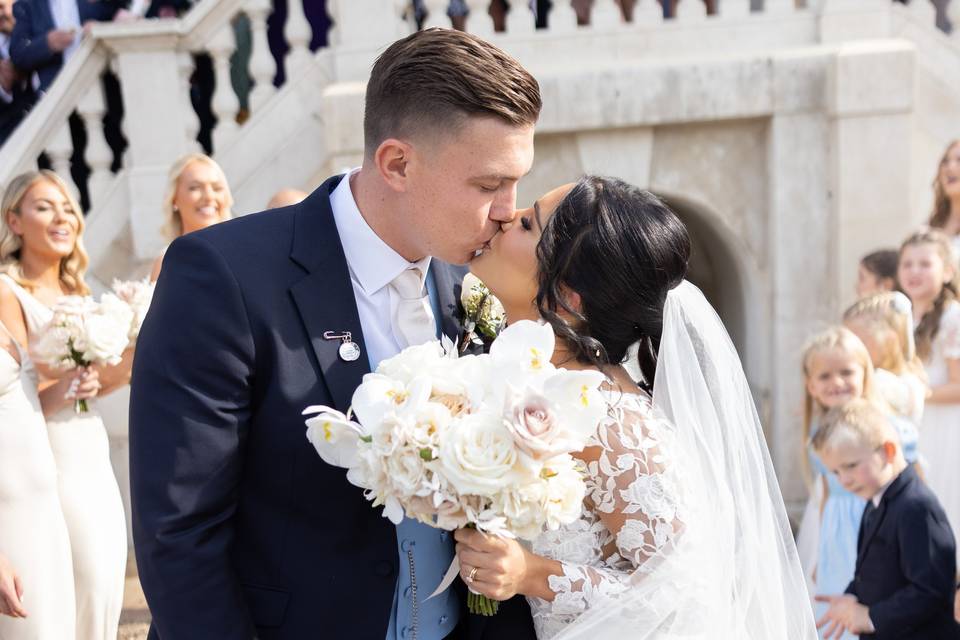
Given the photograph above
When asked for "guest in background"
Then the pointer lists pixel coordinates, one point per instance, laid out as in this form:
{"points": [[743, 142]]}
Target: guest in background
{"points": [[905, 582], [43, 259], [946, 195], [197, 197], [928, 275], [16, 91], [48, 32], [877, 272], [286, 197], [837, 369], [884, 323]]}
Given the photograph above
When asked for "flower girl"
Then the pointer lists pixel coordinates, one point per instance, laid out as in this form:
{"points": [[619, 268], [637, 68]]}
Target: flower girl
{"points": [[927, 274]]}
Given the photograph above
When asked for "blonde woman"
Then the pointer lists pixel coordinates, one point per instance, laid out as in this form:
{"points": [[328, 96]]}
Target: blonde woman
{"points": [[946, 194], [42, 258], [197, 197]]}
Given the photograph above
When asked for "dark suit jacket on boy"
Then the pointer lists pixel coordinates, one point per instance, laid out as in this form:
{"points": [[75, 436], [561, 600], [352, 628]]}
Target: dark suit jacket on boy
{"points": [[906, 564]]}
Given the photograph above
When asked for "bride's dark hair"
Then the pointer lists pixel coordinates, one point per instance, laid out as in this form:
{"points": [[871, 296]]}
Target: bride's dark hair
{"points": [[622, 250]]}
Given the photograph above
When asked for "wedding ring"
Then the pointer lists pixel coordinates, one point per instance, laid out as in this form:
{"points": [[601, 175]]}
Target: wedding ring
{"points": [[473, 575]]}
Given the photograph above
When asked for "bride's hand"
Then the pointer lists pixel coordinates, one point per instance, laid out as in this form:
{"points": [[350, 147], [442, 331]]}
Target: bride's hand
{"points": [[503, 567]]}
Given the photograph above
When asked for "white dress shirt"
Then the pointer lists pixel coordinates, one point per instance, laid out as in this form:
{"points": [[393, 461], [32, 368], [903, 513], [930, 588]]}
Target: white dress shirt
{"points": [[373, 265], [66, 15]]}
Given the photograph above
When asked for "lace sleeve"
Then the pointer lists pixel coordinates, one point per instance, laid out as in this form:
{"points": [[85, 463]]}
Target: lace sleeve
{"points": [[634, 497], [949, 335]]}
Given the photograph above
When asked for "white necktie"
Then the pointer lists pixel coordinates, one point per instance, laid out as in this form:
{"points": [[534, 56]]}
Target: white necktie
{"points": [[413, 321]]}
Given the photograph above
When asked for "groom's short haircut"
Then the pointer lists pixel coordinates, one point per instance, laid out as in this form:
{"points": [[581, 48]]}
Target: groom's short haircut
{"points": [[435, 79]]}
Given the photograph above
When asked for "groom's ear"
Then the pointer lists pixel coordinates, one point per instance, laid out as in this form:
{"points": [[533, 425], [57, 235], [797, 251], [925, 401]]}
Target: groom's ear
{"points": [[392, 159]]}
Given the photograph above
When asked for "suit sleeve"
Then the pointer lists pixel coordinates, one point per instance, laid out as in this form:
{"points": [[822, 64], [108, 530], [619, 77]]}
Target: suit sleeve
{"points": [[924, 560], [189, 416], [28, 50]]}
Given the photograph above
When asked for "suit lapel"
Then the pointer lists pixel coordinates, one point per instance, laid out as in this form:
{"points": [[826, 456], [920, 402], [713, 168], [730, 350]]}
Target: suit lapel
{"points": [[867, 534], [324, 297], [448, 279]]}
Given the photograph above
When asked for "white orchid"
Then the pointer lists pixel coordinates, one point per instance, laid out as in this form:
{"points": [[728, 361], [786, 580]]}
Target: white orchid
{"points": [[333, 435]]}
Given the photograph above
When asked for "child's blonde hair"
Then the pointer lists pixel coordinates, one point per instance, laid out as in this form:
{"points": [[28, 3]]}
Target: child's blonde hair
{"points": [[890, 313], [833, 338], [859, 422]]}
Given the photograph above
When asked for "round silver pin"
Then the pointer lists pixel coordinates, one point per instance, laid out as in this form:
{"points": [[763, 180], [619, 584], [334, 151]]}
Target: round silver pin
{"points": [[349, 351]]}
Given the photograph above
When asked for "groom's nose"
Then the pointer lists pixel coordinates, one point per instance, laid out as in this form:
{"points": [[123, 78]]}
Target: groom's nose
{"points": [[504, 207]]}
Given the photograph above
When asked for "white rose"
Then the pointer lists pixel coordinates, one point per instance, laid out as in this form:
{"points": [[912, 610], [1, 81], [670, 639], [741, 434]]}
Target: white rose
{"points": [[106, 333], [412, 362], [536, 428], [565, 491], [137, 294], [477, 455], [523, 507], [407, 472], [52, 346]]}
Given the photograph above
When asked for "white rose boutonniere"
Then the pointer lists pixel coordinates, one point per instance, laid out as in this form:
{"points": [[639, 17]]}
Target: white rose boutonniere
{"points": [[483, 315]]}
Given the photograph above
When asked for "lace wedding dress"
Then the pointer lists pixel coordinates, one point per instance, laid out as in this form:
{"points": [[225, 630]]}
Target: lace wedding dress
{"points": [[683, 532], [633, 516]]}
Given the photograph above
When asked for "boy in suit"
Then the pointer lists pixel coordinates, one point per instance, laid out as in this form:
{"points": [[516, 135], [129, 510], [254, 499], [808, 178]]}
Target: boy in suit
{"points": [[905, 577]]}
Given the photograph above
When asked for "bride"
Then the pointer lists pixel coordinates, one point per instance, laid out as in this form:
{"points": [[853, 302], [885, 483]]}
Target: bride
{"points": [[683, 532]]}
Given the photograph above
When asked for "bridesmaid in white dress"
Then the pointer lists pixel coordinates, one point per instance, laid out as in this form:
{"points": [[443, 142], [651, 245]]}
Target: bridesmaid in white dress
{"points": [[42, 257], [197, 197], [927, 275], [33, 532]]}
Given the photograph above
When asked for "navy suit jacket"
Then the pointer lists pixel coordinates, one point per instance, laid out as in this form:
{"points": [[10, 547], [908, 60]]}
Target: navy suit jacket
{"points": [[28, 43], [240, 528], [906, 565], [12, 113]]}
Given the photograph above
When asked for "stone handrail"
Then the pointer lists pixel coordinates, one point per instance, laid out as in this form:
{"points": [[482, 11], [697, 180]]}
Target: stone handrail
{"points": [[153, 62]]}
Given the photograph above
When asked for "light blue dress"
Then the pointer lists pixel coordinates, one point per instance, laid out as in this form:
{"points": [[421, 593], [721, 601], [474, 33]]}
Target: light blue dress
{"points": [[837, 551]]}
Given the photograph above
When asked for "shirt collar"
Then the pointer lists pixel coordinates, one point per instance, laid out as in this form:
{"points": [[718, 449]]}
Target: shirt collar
{"points": [[372, 261], [879, 495]]}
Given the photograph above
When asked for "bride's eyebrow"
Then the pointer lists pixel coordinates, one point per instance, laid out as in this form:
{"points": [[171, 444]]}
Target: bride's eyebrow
{"points": [[536, 214]]}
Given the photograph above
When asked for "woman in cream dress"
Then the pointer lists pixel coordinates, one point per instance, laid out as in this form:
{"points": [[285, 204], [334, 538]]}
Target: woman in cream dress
{"points": [[42, 259]]}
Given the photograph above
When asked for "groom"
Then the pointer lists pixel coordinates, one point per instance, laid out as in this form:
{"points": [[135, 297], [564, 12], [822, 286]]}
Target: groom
{"points": [[241, 529]]}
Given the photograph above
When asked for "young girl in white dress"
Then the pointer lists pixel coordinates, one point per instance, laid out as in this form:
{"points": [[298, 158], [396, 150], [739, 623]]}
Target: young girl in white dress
{"points": [[681, 500], [42, 259], [927, 274], [884, 323]]}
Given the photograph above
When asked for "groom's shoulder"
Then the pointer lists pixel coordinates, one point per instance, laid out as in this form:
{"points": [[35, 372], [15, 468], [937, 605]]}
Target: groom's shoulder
{"points": [[250, 237], [267, 233]]}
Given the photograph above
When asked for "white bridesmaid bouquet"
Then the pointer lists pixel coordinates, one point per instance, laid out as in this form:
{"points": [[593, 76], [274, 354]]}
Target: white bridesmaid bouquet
{"points": [[83, 333], [137, 294], [478, 441]]}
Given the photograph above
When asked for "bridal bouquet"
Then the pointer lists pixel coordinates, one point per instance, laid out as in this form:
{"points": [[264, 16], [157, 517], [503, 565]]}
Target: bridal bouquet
{"points": [[83, 333], [137, 294], [471, 441]]}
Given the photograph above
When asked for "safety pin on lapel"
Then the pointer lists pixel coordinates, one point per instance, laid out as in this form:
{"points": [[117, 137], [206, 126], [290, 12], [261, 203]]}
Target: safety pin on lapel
{"points": [[349, 350]]}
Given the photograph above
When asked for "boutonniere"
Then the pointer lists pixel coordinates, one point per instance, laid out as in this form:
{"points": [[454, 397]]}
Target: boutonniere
{"points": [[483, 316]]}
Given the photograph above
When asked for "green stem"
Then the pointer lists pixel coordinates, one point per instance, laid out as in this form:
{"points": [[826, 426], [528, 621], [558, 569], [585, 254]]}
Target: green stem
{"points": [[481, 605]]}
